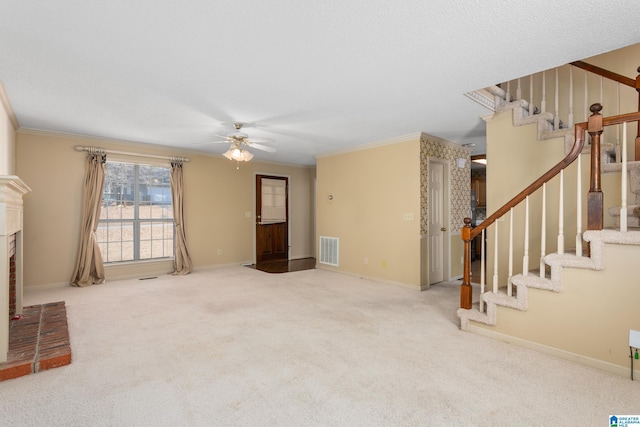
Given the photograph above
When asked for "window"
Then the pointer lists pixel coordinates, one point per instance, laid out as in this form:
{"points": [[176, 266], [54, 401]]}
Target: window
{"points": [[136, 218]]}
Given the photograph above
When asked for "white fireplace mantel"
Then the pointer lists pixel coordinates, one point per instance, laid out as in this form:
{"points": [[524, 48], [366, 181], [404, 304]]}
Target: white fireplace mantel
{"points": [[11, 214]]}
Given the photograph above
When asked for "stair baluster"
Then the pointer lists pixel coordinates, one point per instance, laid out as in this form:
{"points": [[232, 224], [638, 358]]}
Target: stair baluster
{"points": [[623, 185], [561, 214], [637, 145], [510, 275], [483, 275], [543, 103], [525, 257], [556, 118], [496, 244], [579, 208], [532, 108], [570, 119], [543, 229]]}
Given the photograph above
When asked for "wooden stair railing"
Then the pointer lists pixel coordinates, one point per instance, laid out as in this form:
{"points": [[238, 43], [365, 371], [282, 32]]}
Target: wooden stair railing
{"points": [[595, 214], [622, 80]]}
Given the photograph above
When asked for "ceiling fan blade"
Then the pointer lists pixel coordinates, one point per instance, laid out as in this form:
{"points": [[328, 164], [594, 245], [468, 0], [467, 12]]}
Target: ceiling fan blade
{"points": [[261, 147], [212, 142]]}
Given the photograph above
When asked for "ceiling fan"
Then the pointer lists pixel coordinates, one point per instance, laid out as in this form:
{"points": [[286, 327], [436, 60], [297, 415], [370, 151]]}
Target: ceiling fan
{"points": [[239, 143]]}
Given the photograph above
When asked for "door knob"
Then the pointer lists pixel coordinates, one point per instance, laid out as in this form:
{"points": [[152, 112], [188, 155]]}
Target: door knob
{"points": [[443, 229]]}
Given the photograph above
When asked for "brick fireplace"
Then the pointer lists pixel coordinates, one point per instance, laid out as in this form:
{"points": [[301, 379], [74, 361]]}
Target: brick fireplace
{"points": [[12, 189]]}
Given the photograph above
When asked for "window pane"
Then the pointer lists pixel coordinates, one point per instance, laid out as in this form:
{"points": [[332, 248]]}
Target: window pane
{"points": [[145, 249], [118, 190], [157, 249], [117, 251], [124, 232], [168, 248], [158, 231], [127, 210], [144, 210], [102, 232], [168, 230], [145, 231], [114, 252], [134, 196], [127, 251]]}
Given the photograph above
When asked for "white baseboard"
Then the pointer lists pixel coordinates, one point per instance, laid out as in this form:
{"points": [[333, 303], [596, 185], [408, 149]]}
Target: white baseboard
{"points": [[46, 286], [373, 279], [561, 354]]}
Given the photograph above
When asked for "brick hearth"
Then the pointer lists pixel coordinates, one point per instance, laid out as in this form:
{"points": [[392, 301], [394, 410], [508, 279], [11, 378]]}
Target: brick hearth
{"points": [[38, 341]]}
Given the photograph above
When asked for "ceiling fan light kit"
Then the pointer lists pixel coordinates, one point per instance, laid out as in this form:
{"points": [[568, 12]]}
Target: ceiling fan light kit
{"points": [[238, 139], [238, 154]]}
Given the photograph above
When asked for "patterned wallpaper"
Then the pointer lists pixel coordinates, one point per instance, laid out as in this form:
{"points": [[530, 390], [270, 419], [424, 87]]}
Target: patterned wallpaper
{"points": [[460, 180]]}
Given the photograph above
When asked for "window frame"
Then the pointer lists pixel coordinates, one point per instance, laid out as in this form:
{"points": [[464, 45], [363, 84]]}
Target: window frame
{"points": [[137, 221]]}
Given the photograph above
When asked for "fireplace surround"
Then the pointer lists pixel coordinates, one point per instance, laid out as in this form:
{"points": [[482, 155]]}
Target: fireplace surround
{"points": [[12, 189]]}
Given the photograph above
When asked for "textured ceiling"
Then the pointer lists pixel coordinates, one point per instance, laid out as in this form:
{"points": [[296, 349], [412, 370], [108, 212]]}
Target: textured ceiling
{"points": [[308, 77]]}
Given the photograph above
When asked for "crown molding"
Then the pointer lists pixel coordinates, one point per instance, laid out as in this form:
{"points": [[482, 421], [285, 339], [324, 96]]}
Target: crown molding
{"points": [[425, 138], [482, 97], [156, 148], [8, 108], [367, 146]]}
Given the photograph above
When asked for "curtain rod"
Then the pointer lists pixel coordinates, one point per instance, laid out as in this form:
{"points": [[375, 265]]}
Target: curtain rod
{"points": [[127, 153]]}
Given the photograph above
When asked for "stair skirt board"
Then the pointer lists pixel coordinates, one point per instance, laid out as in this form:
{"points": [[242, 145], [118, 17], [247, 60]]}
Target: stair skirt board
{"points": [[597, 239]]}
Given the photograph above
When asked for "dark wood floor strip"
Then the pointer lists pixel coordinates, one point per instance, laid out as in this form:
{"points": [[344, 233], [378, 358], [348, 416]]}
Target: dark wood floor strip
{"points": [[285, 266]]}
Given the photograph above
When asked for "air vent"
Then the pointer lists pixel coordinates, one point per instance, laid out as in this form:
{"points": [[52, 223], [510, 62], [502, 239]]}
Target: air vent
{"points": [[329, 250]]}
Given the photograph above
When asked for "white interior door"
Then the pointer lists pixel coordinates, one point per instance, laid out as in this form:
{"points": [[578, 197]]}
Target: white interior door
{"points": [[437, 222]]}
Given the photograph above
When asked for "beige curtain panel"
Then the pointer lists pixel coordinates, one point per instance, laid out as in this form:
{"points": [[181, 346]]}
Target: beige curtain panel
{"points": [[181, 259], [89, 267]]}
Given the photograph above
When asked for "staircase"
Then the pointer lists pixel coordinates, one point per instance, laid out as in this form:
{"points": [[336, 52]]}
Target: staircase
{"points": [[589, 284]]}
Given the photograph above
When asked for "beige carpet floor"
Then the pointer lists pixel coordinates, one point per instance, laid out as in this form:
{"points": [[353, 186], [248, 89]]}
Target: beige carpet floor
{"points": [[234, 346]]}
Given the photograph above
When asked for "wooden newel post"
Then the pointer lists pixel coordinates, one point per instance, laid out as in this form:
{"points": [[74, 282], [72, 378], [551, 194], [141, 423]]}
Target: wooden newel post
{"points": [[637, 147], [465, 288], [595, 199]]}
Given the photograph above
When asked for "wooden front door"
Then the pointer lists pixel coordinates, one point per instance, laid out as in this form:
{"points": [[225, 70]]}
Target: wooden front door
{"points": [[272, 218]]}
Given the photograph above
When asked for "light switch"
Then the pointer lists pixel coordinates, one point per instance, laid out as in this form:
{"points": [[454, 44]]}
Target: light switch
{"points": [[408, 216]]}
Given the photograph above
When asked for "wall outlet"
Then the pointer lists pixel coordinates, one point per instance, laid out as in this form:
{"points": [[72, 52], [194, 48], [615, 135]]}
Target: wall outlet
{"points": [[366, 260], [247, 214], [219, 251], [408, 216], [634, 338]]}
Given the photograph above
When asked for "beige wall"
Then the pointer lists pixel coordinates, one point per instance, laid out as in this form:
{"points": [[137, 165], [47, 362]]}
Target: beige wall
{"points": [[624, 62], [372, 189], [590, 317], [7, 137], [217, 196]]}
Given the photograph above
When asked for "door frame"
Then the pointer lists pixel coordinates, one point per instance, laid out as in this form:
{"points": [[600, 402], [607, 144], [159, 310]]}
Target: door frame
{"points": [[446, 205], [255, 209]]}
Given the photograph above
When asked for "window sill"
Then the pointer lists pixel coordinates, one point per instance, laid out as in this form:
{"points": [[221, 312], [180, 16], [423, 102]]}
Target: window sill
{"points": [[136, 269], [139, 262]]}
